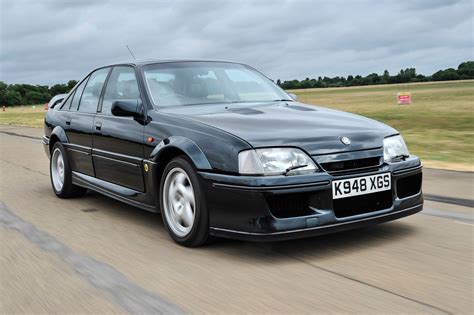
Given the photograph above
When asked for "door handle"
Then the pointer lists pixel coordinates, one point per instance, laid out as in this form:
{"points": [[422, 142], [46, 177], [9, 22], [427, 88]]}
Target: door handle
{"points": [[98, 125], [68, 121]]}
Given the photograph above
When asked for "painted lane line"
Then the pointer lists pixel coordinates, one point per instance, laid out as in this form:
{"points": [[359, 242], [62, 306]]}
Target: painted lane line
{"points": [[450, 200], [466, 218], [123, 291], [20, 135]]}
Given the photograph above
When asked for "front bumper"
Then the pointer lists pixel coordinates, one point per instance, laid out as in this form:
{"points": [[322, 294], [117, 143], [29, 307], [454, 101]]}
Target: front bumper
{"points": [[241, 207]]}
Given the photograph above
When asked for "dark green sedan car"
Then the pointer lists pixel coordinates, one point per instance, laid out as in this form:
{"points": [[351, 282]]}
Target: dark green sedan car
{"points": [[220, 150]]}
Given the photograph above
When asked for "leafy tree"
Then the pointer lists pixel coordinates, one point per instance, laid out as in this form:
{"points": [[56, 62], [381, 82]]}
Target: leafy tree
{"points": [[386, 76], [466, 69], [446, 75], [33, 97], [3, 92], [12, 98], [71, 84]]}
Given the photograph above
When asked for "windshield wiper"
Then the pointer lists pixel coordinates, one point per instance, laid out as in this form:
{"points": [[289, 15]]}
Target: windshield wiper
{"points": [[283, 100], [292, 168], [400, 157]]}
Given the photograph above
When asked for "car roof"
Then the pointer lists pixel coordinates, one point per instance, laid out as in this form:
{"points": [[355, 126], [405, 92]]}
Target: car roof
{"points": [[154, 61]]}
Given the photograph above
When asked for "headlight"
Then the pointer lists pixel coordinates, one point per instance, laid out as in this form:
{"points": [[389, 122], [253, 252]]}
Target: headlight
{"points": [[275, 161], [394, 148]]}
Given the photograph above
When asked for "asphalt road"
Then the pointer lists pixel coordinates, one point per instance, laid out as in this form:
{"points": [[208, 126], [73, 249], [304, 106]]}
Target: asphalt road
{"points": [[96, 255]]}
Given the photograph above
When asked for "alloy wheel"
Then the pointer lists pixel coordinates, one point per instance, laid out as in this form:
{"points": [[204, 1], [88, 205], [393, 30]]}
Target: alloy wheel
{"points": [[179, 202], [57, 169]]}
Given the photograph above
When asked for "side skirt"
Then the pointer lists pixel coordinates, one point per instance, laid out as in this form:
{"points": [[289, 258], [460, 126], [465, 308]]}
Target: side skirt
{"points": [[111, 190]]}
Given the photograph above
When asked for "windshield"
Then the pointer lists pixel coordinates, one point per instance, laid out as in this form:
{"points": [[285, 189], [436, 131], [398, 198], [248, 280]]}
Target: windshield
{"points": [[194, 83]]}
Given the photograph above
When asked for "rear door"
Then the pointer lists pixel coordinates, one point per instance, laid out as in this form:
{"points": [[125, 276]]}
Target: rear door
{"points": [[118, 141], [80, 120]]}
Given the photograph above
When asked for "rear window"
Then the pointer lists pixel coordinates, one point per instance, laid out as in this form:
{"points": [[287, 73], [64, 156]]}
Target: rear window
{"points": [[77, 95]]}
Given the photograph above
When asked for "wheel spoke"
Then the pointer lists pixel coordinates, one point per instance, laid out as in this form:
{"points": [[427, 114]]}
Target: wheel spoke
{"points": [[188, 194], [180, 179], [176, 215], [188, 215], [173, 191]]}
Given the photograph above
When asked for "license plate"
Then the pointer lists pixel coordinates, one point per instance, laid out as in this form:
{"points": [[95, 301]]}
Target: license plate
{"points": [[361, 185]]}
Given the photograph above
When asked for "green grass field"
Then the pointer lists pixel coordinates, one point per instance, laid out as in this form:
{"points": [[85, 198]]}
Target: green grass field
{"points": [[23, 116], [438, 126]]}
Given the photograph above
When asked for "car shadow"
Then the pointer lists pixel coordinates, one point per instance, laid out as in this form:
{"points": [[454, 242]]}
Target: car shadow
{"points": [[319, 247], [104, 204]]}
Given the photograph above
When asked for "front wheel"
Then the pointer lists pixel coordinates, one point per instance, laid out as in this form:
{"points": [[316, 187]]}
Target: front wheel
{"points": [[182, 203]]}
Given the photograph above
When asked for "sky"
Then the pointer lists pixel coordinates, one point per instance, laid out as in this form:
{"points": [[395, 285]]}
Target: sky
{"points": [[53, 41]]}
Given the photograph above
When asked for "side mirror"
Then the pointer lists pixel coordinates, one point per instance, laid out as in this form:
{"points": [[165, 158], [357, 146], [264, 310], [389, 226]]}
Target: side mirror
{"points": [[293, 96], [127, 108], [58, 102]]}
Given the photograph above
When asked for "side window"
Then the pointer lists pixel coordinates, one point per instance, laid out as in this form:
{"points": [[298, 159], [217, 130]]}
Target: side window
{"points": [[67, 103], [122, 85], [57, 102], [91, 95], [77, 95]]}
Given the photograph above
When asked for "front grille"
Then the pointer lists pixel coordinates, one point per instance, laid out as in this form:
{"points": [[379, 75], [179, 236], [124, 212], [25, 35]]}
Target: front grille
{"points": [[409, 186], [339, 167], [346, 207]]}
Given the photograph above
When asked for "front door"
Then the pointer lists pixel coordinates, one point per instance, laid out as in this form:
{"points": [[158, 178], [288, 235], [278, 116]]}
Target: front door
{"points": [[118, 141]]}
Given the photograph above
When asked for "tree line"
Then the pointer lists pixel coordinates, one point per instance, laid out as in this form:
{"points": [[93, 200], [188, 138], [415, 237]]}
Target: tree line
{"points": [[27, 94], [464, 71]]}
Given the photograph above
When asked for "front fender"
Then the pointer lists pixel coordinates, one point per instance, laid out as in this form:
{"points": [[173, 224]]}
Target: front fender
{"points": [[189, 147]]}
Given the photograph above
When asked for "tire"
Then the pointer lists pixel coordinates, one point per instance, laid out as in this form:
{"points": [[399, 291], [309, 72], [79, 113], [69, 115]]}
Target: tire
{"points": [[179, 184], [61, 175]]}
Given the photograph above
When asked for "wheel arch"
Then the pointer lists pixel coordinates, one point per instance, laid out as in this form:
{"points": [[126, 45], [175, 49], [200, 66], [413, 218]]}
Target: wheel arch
{"points": [[58, 134], [172, 147], [167, 150]]}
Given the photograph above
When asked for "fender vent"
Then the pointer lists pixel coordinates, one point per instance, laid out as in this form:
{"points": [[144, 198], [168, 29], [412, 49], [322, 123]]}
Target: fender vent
{"points": [[409, 186], [290, 205]]}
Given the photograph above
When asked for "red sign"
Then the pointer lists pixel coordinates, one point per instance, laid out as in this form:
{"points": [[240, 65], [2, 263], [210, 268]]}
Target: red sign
{"points": [[404, 98]]}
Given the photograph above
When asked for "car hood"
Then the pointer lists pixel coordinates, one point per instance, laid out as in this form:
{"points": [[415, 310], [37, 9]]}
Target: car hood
{"points": [[316, 130]]}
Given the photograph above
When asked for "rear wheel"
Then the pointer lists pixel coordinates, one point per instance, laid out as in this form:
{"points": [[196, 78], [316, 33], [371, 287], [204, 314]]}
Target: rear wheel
{"points": [[182, 203], [61, 175]]}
